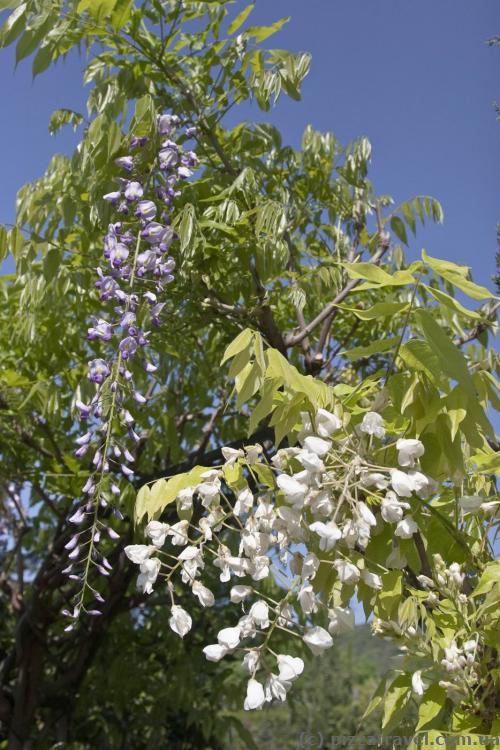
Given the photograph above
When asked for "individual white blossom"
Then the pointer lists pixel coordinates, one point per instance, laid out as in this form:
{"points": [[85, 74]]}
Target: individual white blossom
{"points": [[149, 570], [375, 479], [406, 528], [251, 661], [185, 498], [205, 596], [215, 652], [255, 695], [417, 683], [310, 565], [157, 532], [347, 571], [318, 639], [180, 621], [247, 627], [295, 492], [340, 620], [311, 462], [137, 553], [329, 533], [317, 445], [231, 455], [366, 514], [422, 484], [244, 502], [307, 598], [259, 568], [391, 509], [192, 560], [179, 533], [290, 667], [253, 453], [229, 637], [409, 451], [259, 612], [372, 580], [402, 484], [373, 424], [320, 503], [275, 688], [326, 423], [239, 593]]}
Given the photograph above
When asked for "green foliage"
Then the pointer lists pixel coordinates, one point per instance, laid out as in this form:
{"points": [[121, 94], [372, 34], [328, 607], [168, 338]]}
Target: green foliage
{"points": [[285, 287]]}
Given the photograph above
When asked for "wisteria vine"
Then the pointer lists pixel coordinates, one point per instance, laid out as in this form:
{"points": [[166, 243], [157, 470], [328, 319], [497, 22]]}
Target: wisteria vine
{"points": [[137, 252], [314, 506]]}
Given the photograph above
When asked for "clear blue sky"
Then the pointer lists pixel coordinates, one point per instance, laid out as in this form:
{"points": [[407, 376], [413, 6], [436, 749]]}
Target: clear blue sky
{"points": [[417, 78]]}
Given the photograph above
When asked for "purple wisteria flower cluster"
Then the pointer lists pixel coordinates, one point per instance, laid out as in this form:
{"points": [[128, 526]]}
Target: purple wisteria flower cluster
{"points": [[138, 268]]}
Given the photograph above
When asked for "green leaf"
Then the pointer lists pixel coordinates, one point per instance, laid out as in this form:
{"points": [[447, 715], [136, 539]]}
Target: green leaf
{"points": [[453, 364], [396, 700], [398, 227], [261, 33], [42, 59], [377, 698], [186, 225], [432, 705], [418, 355], [13, 26], [456, 275], [378, 310], [241, 342], [376, 276], [360, 352], [240, 19], [389, 597], [165, 491], [451, 302], [489, 577], [4, 246], [62, 117]]}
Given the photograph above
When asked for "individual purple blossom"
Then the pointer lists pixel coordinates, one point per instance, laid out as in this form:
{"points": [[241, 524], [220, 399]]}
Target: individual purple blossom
{"points": [[184, 172], [153, 232], [77, 517], [98, 370], [169, 156], [126, 162], [146, 210], [84, 439], [100, 330], [107, 286], [165, 123], [118, 254], [85, 411], [113, 197], [128, 347], [72, 542], [134, 191]]}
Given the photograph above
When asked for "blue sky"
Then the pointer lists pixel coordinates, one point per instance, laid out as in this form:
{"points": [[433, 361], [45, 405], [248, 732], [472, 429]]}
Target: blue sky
{"points": [[417, 78]]}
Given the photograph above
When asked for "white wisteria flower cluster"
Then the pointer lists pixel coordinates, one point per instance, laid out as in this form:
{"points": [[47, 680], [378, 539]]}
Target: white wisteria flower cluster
{"points": [[314, 505]]}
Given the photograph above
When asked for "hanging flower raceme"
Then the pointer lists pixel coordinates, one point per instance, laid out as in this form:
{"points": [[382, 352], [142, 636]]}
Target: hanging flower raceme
{"points": [[315, 505], [138, 265]]}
